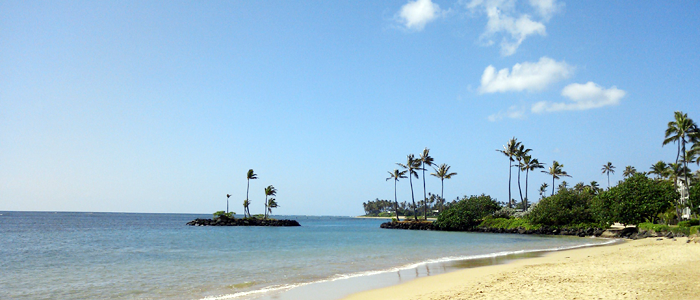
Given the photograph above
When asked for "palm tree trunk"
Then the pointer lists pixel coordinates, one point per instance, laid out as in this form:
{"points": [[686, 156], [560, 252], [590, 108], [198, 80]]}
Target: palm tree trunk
{"points": [[425, 197], [509, 180], [265, 212], [608, 179], [552, 185], [396, 202], [442, 191], [226, 204], [247, 189], [415, 215], [527, 174], [520, 189]]}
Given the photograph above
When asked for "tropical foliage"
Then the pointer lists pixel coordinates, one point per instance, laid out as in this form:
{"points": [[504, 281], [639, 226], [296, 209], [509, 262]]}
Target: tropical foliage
{"points": [[467, 213], [566, 207], [637, 199]]}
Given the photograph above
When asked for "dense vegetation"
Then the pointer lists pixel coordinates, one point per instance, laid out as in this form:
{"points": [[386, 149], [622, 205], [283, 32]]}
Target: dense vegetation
{"points": [[467, 213], [637, 199]]}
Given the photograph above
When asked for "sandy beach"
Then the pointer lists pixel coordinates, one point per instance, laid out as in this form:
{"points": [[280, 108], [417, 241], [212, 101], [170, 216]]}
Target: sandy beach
{"points": [[640, 269]]}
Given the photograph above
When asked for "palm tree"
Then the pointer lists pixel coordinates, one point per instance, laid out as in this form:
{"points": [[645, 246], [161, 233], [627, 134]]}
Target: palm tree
{"points": [[269, 191], [443, 172], [227, 196], [629, 171], [556, 170], [543, 189], [595, 188], [246, 204], [607, 169], [660, 169], [412, 164], [529, 164], [519, 156], [425, 159], [272, 203], [681, 130], [396, 175], [579, 187], [510, 150]]}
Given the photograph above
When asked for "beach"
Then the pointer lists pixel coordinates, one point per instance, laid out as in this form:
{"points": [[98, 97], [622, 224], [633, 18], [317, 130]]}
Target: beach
{"points": [[641, 269]]}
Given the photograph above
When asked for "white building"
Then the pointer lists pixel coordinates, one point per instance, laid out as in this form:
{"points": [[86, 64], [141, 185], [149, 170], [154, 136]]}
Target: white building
{"points": [[683, 190]]}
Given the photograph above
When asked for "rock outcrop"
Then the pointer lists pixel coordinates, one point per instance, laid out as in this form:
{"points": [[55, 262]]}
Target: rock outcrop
{"points": [[225, 221]]}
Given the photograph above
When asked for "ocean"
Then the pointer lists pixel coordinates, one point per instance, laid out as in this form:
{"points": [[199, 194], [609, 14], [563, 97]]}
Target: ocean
{"points": [[78, 255]]}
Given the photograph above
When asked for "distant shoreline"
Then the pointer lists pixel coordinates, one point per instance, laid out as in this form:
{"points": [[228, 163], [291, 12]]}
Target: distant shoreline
{"points": [[403, 218]]}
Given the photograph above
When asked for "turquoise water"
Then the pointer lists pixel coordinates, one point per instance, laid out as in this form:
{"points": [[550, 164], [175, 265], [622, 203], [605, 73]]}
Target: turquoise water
{"points": [[156, 256]]}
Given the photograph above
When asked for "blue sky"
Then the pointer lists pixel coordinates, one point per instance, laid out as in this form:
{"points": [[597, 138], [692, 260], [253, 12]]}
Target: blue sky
{"points": [[135, 106]]}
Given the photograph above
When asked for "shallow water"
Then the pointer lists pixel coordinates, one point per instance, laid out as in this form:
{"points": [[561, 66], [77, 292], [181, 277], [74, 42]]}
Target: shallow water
{"points": [[156, 256]]}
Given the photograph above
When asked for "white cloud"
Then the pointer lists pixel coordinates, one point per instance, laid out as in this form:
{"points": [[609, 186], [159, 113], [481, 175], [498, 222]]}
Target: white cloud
{"points": [[546, 8], [583, 97], [513, 112], [526, 76], [512, 26], [415, 15]]}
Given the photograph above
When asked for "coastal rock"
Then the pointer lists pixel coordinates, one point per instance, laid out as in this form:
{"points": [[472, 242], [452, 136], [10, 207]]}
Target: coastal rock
{"points": [[224, 221], [409, 225]]}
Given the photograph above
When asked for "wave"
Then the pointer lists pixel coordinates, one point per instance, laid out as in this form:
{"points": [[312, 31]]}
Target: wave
{"points": [[286, 287]]}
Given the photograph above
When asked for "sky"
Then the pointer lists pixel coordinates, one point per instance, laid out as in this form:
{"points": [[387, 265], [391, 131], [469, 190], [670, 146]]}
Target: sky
{"points": [[163, 106]]}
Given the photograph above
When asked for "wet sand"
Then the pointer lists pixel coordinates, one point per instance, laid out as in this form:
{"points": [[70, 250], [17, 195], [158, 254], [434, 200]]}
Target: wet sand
{"points": [[641, 269]]}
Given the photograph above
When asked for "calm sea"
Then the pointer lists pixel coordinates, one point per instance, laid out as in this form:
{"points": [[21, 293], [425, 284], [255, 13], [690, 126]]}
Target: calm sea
{"points": [[46, 255]]}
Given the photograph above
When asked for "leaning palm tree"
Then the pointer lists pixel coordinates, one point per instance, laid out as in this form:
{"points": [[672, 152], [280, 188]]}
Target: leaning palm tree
{"points": [[629, 171], [425, 159], [607, 169], [269, 191], [528, 164], [443, 172], [396, 175], [556, 170], [509, 150], [519, 156], [412, 164], [246, 204], [660, 169]]}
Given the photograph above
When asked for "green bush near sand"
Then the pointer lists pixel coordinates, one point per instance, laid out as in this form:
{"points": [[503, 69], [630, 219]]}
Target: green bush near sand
{"points": [[635, 200], [567, 207], [467, 213], [689, 223], [666, 228], [510, 223]]}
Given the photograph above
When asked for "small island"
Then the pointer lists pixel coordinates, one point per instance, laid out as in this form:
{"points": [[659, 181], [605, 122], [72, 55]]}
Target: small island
{"points": [[224, 220]]}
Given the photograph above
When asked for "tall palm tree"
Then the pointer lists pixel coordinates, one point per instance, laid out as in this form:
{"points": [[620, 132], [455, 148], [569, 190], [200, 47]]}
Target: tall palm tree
{"points": [[412, 164], [443, 172], [681, 130], [629, 171], [557, 171], [246, 204], [543, 189], [269, 191], [607, 169], [528, 164], [509, 150], [659, 169], [227, 196], [396, 175], [519, 156], [425, 159]]}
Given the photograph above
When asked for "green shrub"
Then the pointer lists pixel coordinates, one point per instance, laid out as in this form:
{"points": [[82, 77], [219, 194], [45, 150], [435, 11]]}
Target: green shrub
{"points": [[665, 228], [634, 201], [467, 213], [511, 223], [565, 209], [689, 223], [225, 214], [694, 197]]}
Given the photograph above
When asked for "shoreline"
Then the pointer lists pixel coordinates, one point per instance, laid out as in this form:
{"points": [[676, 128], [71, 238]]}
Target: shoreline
{"points": [[348, 285], [628, 270]]}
